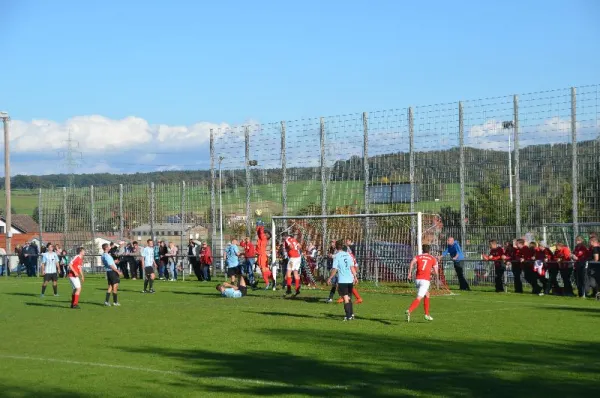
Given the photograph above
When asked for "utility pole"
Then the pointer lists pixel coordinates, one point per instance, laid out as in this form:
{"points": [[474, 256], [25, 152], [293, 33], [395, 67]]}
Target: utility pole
{"points": [[72, 158], [6, 119]]}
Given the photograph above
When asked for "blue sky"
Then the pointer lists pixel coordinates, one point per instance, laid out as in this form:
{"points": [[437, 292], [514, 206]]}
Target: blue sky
{"points": [[149, 78]]}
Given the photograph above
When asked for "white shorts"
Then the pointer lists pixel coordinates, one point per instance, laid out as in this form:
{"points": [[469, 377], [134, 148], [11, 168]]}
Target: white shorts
{"points": [[422, 287], [75, 282], [294, 263]]}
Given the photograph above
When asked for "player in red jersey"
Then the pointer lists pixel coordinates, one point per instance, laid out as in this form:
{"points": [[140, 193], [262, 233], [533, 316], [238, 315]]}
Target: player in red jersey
{"points": [[562, 255], [425, 264], [75, 273], [292, 248], [349, 247], [496, 255], [580, 256], [261, 250]]}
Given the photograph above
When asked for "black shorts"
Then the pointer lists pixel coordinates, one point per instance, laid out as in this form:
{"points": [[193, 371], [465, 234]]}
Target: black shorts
{"points": [[234, 271], [345, 289], [112, 277], [50, 277], [244, 290], [149, 270]]}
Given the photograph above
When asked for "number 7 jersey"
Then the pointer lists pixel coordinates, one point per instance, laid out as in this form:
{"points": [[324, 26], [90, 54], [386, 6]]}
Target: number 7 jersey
{"points": [[425, 263]]}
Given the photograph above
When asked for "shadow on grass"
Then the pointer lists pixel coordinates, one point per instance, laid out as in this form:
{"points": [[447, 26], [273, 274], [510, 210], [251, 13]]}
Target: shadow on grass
{"points": [[23, 390], [360, 364], [46, 305], [23, 294], [335, 317], [589, 310]]}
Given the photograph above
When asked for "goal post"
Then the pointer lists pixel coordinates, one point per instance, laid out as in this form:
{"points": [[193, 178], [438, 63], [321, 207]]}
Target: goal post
{"points": [[383, 243]]}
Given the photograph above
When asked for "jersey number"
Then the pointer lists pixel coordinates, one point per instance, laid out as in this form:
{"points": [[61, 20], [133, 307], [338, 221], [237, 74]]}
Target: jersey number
{"points": [[424, 265]]}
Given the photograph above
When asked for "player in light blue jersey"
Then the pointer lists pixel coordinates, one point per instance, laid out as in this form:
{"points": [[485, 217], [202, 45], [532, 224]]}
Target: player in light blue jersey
{"points": [[148, 265], [50, 269], [231, 291], [112, 276], [343, 267]]}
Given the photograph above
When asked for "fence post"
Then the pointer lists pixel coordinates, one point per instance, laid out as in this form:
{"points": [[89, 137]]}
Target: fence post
{"points": [[574, 170], [94, 250], [152, 209], [213, 201], [323, 182], [182, 231], [283, 171], [461, 140], [411, 160], [40, 218], [65, 218], [366, 176], [248, 181], [517, 168], [121, 219]]}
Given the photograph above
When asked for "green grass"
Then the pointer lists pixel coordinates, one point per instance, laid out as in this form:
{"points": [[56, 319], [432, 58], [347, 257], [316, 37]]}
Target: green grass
{"points": [[187, 341]]}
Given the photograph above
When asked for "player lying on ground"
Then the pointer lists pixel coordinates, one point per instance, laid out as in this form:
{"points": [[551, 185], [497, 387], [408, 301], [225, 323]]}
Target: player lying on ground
{"points": [[75, 274], [424, 263], [343, 267], [231, 291]]}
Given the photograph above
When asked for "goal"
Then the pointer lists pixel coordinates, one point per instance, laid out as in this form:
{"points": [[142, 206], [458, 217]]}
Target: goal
{"points": [[383, 244]]}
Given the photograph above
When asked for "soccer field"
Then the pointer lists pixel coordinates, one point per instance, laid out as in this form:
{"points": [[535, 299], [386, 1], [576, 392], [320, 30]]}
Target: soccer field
{"points": [[185, 340]]}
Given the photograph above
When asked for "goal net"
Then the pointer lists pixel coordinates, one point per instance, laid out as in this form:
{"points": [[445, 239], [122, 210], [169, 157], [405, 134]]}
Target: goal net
{"points": [[383, 244]]}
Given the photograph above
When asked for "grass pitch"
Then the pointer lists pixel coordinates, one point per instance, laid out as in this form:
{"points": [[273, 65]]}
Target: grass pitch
{"points": [[185, 340]]}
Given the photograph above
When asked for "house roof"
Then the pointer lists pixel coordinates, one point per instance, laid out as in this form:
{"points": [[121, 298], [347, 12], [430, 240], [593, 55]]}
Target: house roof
{"points": [[17, 240], [162, 227], [23, 223]]}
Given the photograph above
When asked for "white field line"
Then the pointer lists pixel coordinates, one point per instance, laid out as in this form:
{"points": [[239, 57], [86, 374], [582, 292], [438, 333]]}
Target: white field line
{"points": [[174, 373]]}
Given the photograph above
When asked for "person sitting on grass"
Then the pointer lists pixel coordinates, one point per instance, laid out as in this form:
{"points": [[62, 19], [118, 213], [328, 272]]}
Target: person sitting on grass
{"points": [[231, 291]]}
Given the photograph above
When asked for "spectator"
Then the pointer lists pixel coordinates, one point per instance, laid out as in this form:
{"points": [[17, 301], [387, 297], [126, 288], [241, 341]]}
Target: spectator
{"points": [[538, 275], [172, 258], [31, 253], [594, 266], [510, 256], [496, 255], [21, 259], [249, 260], [4, 262], [156, 249], [206, 260], [63, 261], [565, 267], [525, 257], [135, 265], [552, 269], [455, 252], [163, 250], [580, 256], [193, 258]]}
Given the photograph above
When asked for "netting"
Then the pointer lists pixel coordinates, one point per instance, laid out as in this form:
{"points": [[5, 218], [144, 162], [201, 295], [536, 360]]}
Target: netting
{"points": [[383, 244]]}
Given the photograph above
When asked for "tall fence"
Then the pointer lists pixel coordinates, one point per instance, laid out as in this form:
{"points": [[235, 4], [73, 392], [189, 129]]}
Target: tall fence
{"points": [[492, 168]]}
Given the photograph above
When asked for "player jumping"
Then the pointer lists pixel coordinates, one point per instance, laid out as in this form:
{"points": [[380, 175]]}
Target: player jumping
{"points": [[295, 260], [261, 249], [425, 263], [75, 272]]}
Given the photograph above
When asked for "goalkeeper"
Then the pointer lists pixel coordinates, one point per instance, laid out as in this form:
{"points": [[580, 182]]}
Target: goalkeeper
{"points": [[261, 249]]}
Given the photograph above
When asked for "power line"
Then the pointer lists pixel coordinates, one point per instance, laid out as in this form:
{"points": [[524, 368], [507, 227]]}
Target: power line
{"points": [[72, 156]]}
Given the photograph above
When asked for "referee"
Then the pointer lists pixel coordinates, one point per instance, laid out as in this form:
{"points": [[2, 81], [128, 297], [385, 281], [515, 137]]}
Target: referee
{"points": [[50, 269], [343, 267], [112, 275]]}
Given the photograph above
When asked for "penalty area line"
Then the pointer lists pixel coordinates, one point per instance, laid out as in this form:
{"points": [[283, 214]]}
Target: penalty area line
{"points": [[170, 372]]}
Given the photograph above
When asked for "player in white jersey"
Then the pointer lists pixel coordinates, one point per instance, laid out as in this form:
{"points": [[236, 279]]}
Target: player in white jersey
{"points": [[50, 269]]}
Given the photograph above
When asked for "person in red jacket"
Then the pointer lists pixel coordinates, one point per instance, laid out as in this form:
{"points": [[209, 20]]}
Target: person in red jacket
{"points": [[510, 257], [580, 255], [562, 255], [261, 249], [206, 260], [539, 268], [551, 266], [496, 255]]}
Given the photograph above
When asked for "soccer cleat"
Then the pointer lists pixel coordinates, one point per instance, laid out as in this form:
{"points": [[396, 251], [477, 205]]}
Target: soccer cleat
{"points": [[541, 294], [297, 292], [268, 287], [76, 307], [340, 300], [359, 301], [56, 295], [329, 301], [41, 296], [428, 318], [346, 319], [274, 287], [152, 291], [288, 290], [106, 304], [144, 291], [407, 316], [116, 304]]}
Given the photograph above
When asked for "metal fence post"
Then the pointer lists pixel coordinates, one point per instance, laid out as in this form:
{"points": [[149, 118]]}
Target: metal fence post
{"points": [[461, 140], [152, 210], [411, 160], [283, 171], [248, 181], [65, 218], [40, 218], [323, 183], [367, 183], [574, 171], [213, 201], [121, 218], [182, 231], [94, 250], [517, 168]]}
